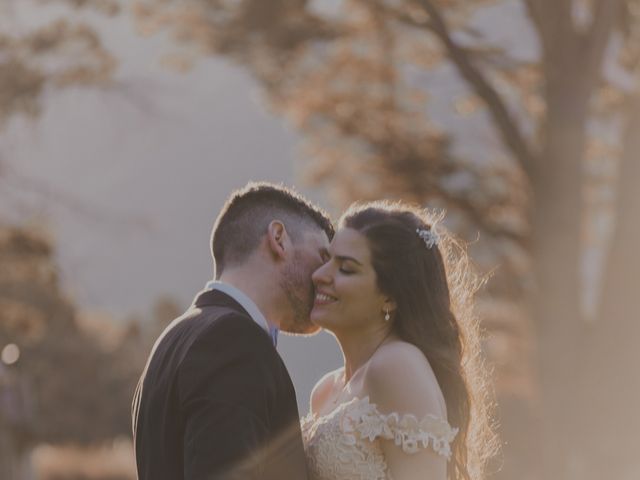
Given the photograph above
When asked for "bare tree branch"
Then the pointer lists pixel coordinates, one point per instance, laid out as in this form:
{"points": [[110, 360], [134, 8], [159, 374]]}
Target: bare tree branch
{"points": [[426, 180], [506, 124], [552, 19], [534, 8], [605, 15], [478, 216]]}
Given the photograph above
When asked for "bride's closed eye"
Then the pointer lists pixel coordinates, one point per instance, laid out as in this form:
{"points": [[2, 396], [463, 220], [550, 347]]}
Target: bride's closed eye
{"points": [[345, 270]]}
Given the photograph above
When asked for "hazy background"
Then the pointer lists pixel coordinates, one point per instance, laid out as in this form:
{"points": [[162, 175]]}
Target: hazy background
{"points": [[130, 178], [125, 125]]}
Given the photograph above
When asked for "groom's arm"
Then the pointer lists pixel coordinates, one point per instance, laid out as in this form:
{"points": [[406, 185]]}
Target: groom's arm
{"points": [[224, 385]]}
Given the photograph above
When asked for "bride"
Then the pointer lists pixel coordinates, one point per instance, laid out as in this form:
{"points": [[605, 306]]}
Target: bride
{"points": [[409, 401]]}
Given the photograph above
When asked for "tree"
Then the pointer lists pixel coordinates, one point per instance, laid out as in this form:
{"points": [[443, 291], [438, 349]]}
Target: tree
{"points": [[74, 379], [79, 390], [59, 54], [355, 77], [36, 315], [64, 52], [614, 335]]}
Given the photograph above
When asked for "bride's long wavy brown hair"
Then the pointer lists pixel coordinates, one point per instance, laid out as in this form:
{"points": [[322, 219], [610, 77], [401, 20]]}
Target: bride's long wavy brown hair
{"points": [[433, 288]]}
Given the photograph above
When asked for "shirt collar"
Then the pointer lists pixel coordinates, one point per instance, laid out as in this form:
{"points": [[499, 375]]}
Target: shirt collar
{"points": [[246, 303]]}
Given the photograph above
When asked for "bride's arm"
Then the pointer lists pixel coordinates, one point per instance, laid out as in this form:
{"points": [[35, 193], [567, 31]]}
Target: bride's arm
{"points": [[400, 381]]}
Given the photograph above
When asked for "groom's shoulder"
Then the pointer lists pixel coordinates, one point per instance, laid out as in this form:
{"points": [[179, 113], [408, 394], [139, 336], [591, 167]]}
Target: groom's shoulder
{"points": [[226, 324], [212, 328]]}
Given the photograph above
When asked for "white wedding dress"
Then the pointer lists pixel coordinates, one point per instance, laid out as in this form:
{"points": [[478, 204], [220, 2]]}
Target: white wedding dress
{"points": [[344, 444]]}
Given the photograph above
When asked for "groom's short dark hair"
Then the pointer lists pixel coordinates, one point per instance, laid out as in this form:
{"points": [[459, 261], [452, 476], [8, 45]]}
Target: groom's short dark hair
{"points": [[244, 219]]}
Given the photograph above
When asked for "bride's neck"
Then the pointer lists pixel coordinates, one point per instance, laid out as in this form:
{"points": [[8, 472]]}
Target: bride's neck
{"points": [[358, 348]]}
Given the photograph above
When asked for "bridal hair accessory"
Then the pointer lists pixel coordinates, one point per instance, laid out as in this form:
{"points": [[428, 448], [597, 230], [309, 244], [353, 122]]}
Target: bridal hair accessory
{"points": [[429, 237]]}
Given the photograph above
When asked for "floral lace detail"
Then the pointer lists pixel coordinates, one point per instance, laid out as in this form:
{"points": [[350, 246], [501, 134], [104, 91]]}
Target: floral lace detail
{"points": [[342, 444]]}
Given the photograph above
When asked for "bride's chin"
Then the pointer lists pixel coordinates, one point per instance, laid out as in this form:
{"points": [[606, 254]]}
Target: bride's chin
{"points": [[319, 320]]}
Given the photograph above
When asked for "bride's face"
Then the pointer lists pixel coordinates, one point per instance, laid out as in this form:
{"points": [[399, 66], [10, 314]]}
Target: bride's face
{"points": [[347, 296]]}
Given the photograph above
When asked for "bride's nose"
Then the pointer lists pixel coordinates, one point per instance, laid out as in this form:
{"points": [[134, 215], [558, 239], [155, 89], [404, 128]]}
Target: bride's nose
{"points": [[322, 275]]}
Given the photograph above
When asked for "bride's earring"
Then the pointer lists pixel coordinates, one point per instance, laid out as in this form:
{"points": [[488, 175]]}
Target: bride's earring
{"points": [[387, 317]]}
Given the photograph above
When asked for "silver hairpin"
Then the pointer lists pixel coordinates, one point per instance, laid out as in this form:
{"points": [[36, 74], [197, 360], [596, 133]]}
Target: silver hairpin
{"points": [[430, 237]]}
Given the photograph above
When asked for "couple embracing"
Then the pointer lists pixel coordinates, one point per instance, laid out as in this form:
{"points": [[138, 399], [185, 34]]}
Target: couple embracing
{"points": [[215, 400]]}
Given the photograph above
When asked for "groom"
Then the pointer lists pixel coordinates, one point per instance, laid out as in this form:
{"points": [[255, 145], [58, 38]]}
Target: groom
{"points": [[215, 400]]}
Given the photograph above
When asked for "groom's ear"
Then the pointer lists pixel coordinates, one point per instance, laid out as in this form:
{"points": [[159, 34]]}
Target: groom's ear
{"points": [[278, 239]]}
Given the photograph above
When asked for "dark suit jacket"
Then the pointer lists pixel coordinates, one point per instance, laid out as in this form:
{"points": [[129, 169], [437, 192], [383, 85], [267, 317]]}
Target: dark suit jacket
{"points": [[216, 401]]}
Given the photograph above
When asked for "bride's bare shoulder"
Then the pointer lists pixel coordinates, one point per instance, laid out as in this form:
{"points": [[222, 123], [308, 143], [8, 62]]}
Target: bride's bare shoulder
{"points": [[400, 378], [324, 388], [397, 355]]}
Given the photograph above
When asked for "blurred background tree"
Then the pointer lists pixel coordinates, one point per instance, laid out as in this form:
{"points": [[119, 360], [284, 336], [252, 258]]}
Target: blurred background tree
{"points": [[43, 57], [55, 355], [66, 376], [60, 355], [532, 191], [61, 53], [77, 370]]}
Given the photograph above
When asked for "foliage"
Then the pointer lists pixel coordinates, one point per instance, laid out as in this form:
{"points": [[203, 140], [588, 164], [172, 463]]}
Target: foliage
{"points": [[81, 369], [68, 372], [61, 53]]}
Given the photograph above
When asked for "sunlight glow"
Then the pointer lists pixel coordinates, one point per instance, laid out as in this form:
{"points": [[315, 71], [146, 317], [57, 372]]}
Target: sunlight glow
{"points": [[10, 354]]}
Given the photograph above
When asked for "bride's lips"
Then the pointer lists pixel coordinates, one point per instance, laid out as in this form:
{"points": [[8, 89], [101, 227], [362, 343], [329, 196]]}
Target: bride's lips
{"points": [[323, 298]]}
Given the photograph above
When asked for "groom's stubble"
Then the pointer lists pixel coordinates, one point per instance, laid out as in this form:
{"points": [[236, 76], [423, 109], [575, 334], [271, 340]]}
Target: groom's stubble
{"points": [[298, 288]]}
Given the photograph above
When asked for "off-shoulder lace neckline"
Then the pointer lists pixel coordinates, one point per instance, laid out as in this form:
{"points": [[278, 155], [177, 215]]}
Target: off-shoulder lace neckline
{"points": [[361, 416], [365, 401]]}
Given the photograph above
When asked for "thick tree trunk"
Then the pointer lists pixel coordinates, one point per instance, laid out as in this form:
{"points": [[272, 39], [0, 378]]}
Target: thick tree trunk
{"points": [[612, 422], [557, 186]]}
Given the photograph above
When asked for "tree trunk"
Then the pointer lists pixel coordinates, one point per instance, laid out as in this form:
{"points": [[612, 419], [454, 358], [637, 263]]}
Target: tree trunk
{"points": [[557, 186], [612, 422]]}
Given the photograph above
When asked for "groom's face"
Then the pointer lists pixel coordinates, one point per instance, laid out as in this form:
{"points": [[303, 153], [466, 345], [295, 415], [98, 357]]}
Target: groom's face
{"points": [[309, 253]]}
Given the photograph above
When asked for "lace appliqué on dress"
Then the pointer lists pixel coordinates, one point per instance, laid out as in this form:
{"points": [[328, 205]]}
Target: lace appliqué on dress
{"points": [[342, 444]]}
